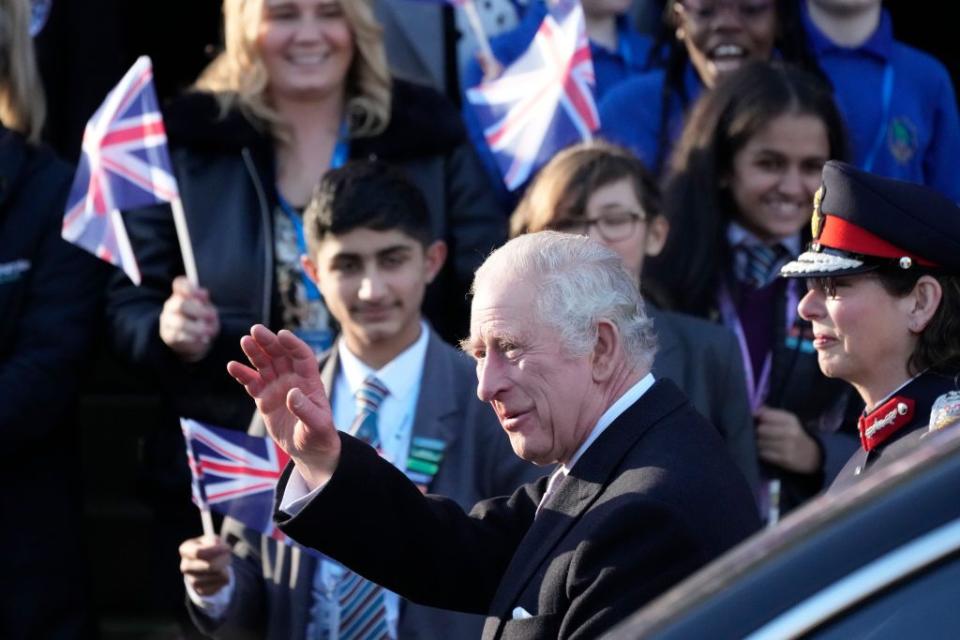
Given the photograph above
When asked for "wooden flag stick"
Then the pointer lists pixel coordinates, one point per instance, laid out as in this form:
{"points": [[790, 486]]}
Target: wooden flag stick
{"points": [[470, 10], [207, 521], [186, 249]]}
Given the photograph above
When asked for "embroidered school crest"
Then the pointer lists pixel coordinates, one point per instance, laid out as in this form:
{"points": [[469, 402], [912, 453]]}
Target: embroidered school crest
{"points": [[816, 222], [902, 139]]}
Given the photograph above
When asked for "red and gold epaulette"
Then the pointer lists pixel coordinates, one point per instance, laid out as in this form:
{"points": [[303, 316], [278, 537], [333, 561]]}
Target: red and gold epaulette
{"points": [[885, 420]]}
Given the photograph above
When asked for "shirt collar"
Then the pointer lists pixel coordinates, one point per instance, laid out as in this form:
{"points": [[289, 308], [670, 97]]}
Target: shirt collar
{"points": [[879, 44], [613, 412], [738, 235], [399, 376]]}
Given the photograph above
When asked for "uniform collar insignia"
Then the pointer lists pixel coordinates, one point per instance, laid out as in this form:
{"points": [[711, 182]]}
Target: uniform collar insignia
{"points": [[884, 421]]}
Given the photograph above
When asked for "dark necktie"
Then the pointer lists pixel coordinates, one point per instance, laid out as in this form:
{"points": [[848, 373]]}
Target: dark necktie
{"points": [[760, 264]]}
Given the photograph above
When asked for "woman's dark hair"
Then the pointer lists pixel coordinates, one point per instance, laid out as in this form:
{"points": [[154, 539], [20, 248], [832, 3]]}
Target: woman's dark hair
{"points": [[791, 43], [938, 347], [695, 199]]}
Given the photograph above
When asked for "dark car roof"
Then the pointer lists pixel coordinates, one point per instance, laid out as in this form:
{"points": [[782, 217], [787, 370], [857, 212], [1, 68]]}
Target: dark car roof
{"points": [[826, 541]]}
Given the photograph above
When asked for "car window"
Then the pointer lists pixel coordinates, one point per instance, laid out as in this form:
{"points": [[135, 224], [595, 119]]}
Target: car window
{"points": [[922, 605]]}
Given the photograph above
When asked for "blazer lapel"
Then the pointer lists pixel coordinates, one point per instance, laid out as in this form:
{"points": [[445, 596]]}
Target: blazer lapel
{"points": [[328, 368], [578, 491], [435, 410]]}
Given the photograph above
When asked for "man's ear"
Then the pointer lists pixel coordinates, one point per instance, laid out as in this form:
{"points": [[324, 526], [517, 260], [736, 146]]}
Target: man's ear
{"points": [[434, 256], [926, 296], [310, 268], [605, 350], [658, 228]]}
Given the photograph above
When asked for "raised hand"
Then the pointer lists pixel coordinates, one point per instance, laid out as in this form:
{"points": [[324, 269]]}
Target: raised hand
{"points": [[285, 383]]}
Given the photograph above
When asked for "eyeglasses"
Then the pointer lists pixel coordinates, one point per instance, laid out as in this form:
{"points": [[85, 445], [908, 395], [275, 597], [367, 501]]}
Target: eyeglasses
{"points": [[828, 284], [613, 226], [705, 10]]}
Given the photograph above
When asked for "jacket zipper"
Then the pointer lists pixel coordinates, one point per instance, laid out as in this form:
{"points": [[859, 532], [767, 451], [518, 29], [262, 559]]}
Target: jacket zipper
{"points": [[268, 242]]}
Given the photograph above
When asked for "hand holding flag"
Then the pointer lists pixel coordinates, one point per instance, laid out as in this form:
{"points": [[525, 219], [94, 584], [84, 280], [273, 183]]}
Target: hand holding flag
{"points": [[124, 164]]}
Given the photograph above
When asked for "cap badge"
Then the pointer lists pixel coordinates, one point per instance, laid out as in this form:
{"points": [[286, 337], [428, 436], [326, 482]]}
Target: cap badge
{"points": [[816, 222], [906, 262], [945, 411]]}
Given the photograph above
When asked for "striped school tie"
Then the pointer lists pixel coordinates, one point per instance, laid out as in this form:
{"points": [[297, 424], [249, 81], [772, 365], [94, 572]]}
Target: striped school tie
{"points": [[369, 396], [759, 264], [363, 612]]}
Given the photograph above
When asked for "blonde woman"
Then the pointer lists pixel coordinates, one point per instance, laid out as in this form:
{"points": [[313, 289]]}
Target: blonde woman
{"points": [[301, 86], [49, 292]]}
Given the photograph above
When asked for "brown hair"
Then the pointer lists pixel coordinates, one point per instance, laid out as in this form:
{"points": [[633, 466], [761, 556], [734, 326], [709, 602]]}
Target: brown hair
{"points": [[562, 188]]}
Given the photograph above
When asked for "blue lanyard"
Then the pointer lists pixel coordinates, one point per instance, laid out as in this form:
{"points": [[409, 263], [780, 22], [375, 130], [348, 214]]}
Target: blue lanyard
{"points": [[341, 153], [887, 97]]}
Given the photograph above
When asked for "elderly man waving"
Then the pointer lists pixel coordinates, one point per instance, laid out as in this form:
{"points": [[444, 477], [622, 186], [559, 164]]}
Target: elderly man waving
{"points": [[643, 494]]}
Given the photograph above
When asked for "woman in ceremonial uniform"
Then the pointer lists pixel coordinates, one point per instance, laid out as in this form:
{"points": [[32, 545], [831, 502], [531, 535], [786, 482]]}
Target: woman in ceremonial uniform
{"points": [[883, 296]]}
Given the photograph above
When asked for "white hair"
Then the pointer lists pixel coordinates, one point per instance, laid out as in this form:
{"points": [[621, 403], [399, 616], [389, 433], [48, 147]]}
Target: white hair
{"points": [[579, 282]]}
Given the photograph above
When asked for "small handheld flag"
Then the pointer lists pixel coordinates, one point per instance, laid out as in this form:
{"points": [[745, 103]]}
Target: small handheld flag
{"points": [[542, 102], [234, 474], [124, 164]]}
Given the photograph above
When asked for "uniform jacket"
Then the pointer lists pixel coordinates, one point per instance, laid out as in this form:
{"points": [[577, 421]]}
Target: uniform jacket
{"points": [[226, 177], [650, 501], [50, 295], [478, 463], [703, 359], [905, 429]]}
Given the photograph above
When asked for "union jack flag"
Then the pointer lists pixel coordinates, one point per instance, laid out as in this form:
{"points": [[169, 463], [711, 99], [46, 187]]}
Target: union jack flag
{"points": [[123, 164], [543, 101], [234, 474]]}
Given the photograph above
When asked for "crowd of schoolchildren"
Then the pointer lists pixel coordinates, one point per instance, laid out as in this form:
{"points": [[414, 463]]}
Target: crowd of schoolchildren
{"points": [[715, 127]]}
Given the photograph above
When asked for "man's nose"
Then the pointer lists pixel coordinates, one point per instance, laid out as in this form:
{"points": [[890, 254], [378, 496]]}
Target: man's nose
{"points": [[490, 378]]}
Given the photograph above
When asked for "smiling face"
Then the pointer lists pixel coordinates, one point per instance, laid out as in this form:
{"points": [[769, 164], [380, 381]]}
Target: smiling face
{"points": [[373, 283], [776, 173], [720, 35], [543, 396], [861, 332], [306, 46]]}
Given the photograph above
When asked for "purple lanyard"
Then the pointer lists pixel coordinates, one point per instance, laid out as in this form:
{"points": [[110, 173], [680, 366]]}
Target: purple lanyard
{"points": [[757, 387]]}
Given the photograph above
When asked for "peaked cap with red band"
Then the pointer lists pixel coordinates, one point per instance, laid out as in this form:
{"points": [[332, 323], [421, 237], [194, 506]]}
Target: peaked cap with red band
{"points": [[862, 222]]}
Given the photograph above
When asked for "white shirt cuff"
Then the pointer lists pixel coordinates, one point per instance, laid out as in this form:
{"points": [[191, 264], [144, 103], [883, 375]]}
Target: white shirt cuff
{"points": [[296, 494], [213, 606]]}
